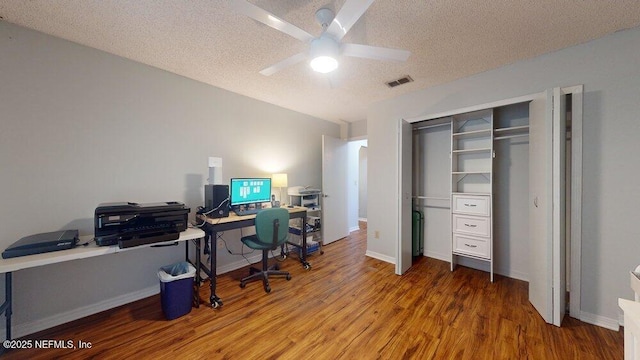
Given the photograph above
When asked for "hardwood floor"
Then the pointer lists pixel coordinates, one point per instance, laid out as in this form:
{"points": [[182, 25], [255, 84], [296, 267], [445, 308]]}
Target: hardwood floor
{"points": [[348, 306]]}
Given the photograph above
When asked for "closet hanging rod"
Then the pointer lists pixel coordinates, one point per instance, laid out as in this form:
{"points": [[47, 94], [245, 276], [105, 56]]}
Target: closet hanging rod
{"points": [[435, 207], [509, 136], [431, 126], [431, 198]]}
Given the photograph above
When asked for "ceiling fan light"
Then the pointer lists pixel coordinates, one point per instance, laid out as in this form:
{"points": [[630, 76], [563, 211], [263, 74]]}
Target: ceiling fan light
{"points": [[324, 64]]}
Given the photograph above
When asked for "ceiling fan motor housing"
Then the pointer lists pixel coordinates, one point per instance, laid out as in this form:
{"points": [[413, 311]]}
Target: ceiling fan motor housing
{"points": [[324, 54], [324, 46]]}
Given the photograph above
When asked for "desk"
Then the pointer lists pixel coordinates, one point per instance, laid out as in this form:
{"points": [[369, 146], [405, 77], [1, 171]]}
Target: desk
{"points": [[213, 225], [8, 266]]}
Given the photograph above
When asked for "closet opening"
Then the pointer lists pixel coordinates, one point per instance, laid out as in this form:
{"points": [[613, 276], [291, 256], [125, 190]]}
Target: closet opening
{"points": [[531, 229]]}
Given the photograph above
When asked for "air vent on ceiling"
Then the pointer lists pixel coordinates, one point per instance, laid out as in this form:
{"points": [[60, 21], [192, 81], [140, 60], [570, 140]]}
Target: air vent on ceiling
{"points": [[403, 80]]}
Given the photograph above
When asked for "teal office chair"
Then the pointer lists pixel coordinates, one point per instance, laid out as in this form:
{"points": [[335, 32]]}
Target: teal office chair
{"points": [[272, 230]]}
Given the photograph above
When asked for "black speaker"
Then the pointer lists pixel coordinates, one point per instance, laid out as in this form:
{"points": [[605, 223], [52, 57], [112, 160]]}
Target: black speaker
{"points": [[216, 201]]}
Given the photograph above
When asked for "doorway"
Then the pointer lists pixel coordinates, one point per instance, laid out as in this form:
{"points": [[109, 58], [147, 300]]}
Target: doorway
{"points": [[357, 183]]}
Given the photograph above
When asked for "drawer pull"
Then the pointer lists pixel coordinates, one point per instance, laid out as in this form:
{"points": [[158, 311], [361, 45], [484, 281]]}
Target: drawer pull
{"points": [[470, 225], [471, 246], [470, 205]]}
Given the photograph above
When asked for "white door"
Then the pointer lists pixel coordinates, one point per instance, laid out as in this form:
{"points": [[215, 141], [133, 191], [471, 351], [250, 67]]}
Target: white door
{"points": [[334, 189], [559, 215], [546, 191], [405, 152], [540, 252]]}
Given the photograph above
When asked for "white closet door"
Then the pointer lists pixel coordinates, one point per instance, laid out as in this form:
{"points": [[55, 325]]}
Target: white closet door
{"points": [[405, 152], [547, 131], [540, 250]]}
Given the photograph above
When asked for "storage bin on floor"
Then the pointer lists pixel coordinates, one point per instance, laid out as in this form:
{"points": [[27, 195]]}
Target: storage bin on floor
{"points": [[176, 289]]}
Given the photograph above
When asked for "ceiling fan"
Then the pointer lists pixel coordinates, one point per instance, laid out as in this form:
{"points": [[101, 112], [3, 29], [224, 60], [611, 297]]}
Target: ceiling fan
{"points": [[325, 49]]}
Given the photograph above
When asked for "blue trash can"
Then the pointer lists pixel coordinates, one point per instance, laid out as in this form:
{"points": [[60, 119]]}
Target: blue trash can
{"points": [[176, 289]]}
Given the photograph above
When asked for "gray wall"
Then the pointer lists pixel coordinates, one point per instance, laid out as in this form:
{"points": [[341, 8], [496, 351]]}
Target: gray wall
{"points": [[358, 129], [79, 127], [608, 68]]}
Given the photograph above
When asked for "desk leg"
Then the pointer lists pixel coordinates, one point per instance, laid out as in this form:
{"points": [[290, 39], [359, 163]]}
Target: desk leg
{"points": [[197, 279], [303, 258], [216, 302], [6, 307], [198, 265]]}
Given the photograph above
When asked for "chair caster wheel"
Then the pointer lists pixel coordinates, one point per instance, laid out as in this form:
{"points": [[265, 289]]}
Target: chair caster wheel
{"points": [[307, 266], [288, 277], [242, 284], [267, 289]]}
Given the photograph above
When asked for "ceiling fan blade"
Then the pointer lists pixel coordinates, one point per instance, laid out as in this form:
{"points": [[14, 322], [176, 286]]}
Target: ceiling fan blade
{"points": [[283, 64], [270, 20], [374, 52], [347, 16]]}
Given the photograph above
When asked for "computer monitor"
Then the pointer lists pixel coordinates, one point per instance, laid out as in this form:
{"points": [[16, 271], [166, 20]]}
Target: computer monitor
{"points": [[250, 190]]}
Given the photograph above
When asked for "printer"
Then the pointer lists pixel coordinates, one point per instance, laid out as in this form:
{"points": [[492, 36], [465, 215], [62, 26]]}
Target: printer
{"points": [[129, 224]]}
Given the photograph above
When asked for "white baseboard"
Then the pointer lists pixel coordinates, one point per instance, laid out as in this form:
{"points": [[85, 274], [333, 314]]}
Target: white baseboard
{"points": [[31, 327], [362, 219], [598, 320], [381, 257], [354, 229]]}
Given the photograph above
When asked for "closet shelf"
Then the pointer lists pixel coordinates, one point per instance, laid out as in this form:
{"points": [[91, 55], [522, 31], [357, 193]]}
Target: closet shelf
{"points": [[472, 151], [470, 134], [471, 193], [512, 130], [418, 197], [471, 172]]}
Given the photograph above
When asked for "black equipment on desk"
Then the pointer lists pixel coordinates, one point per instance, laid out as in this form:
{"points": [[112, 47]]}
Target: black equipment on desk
{"points": [[216, 201], [42, 243], [130, 224]]}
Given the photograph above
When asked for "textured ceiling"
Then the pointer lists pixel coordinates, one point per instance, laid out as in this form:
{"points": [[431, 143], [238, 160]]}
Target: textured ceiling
{"points": [[205, 40]]}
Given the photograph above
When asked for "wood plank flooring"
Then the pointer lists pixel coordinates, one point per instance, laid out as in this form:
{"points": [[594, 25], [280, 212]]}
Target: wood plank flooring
{"points": [[348, 306]]}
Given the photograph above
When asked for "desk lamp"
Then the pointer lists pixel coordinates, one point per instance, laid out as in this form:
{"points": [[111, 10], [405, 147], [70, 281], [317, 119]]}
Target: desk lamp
{"points": [[279, 181]]}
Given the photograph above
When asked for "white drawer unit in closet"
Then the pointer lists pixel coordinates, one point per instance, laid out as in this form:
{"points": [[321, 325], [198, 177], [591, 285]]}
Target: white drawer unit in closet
{"points": [[473, 246], [472, 187], [471, 225]]}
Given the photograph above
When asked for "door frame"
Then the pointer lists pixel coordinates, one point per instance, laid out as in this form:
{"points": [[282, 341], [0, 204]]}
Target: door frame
{"points": [[576, 178]]}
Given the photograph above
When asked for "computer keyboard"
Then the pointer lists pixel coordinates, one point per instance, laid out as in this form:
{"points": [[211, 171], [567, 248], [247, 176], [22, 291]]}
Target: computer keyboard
{"points": [[246, 212]]}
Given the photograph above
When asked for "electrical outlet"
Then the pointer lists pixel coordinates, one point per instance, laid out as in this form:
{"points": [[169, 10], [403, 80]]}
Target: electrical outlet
{"points": [[376, 234], [220, 244]]}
